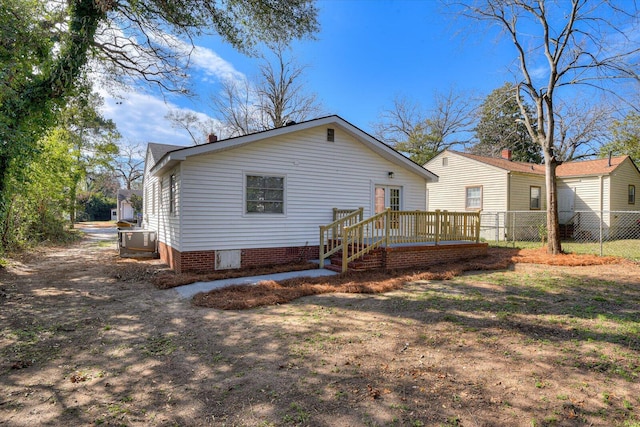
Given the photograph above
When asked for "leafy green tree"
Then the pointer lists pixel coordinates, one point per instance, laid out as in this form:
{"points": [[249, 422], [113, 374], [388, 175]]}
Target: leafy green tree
{"points": [[90, 137], [94, 206], [36, 210], [46, 46], [501, 126], [626, 137]]}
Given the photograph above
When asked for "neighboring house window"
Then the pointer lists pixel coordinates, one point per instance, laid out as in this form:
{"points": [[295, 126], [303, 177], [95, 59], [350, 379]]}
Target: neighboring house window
{"points": [[172, 193], [535, 200], [632, 194], [473, 198], [265, 194], [445, 161]]}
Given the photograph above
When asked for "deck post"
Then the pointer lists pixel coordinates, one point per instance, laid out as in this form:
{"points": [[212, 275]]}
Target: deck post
{"points": [[361, 214], [387, 227], [437, 226], [322, 246], [345, 249], [478, 228], [335, 213]]}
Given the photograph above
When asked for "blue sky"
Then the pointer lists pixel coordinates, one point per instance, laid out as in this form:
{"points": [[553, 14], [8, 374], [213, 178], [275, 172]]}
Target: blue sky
{"points": [[366, 53]]}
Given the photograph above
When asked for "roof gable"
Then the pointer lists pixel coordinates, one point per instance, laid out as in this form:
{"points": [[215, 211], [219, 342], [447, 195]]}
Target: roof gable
{"points": [[172, 157]]}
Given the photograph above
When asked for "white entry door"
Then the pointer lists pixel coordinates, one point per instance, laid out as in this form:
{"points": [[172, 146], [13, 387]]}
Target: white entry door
{"points": [[566, 204], [387, 197]]}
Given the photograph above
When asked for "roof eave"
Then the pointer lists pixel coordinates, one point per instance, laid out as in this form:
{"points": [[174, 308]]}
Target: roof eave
{"points": [[172, 158]]}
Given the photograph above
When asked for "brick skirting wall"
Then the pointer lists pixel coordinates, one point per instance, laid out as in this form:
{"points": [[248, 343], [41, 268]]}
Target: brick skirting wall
{"points": [[205, 261], [421, 256]]}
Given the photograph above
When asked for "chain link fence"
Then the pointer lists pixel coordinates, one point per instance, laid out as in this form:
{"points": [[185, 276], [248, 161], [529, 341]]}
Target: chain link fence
{"points": [[602, 233]]}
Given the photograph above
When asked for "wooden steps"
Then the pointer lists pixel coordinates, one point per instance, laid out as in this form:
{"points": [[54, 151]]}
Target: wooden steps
{"points": [[370, 261]]}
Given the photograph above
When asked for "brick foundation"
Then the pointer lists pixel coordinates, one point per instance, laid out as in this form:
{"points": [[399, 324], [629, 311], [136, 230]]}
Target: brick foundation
{"points": [[422, 256], [205, 261]]}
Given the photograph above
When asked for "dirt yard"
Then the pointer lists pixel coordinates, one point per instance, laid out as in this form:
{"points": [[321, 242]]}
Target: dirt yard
{"points": [[86, 339]]}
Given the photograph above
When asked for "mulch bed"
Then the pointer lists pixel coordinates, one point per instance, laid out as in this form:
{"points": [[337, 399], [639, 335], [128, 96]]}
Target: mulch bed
{"points": [[270, 293]]}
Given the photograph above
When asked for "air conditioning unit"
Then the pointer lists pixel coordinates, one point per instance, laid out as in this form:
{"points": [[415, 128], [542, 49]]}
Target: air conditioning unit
{"points": [[136, 242]]}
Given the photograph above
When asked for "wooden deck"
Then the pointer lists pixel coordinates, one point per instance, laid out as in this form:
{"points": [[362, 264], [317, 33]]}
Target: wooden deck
{"points": [[354, 237]]}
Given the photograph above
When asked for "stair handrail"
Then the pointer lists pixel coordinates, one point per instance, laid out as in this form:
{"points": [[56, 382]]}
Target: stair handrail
{"points": [[330, 234], [363, 237]]}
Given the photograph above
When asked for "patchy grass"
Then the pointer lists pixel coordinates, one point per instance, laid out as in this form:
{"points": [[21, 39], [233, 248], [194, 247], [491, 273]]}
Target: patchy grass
{"points": [[519, 346], [270, 292]]}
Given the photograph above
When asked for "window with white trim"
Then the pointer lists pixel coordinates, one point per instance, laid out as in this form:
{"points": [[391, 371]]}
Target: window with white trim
{"points": [[172, 193], [473, 197], [264, 194], [535, 198]]}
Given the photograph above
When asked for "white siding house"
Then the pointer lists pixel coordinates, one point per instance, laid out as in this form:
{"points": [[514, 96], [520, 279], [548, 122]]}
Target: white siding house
{"points": [[260, 199], [472, 182]]}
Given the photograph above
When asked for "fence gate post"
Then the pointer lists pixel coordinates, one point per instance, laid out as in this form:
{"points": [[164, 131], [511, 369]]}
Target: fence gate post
{"points": [[601, 221]]}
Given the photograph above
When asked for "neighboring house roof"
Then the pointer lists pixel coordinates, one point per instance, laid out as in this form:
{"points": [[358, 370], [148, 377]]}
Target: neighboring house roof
{"points": [[124, 194], [567, 169], [504, 163], [175, 154], [590, 167]]}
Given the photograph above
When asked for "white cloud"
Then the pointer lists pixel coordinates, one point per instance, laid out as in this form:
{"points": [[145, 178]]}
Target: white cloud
{"points": [[140, 118], [203, 58]]}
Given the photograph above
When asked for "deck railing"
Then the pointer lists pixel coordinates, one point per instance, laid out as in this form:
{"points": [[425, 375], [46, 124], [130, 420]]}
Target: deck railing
{"points": [[400, 227], [331, 234]]}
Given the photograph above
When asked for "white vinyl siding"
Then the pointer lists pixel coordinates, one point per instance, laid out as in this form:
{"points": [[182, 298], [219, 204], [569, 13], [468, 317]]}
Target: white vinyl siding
{"points": [[169, 233], [520, 191], [449, 193], [625, 175], [588, 192], [318, 177]]}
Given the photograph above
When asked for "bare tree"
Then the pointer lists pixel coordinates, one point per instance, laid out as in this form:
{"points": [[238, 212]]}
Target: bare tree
{"points": [[423, 133], [276, 98], [129, 165], [582, 129], [281, 92], [196, 125], [578, 42], [235, 107]]}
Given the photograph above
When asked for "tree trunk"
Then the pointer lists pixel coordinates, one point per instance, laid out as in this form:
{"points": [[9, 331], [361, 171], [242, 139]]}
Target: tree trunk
{"points": [[553, 228]]}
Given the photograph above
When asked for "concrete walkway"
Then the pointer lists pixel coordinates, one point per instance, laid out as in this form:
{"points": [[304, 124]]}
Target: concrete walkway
{"points": [[187, 291]]}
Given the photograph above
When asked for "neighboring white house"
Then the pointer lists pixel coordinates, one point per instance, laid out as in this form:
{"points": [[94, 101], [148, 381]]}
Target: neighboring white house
{"points": [[124, 209], [471, 182], [259, 199]]}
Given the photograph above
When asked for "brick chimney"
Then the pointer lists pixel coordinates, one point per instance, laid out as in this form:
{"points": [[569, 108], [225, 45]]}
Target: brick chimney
{"points": [[212, 138], [506, 154]]}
